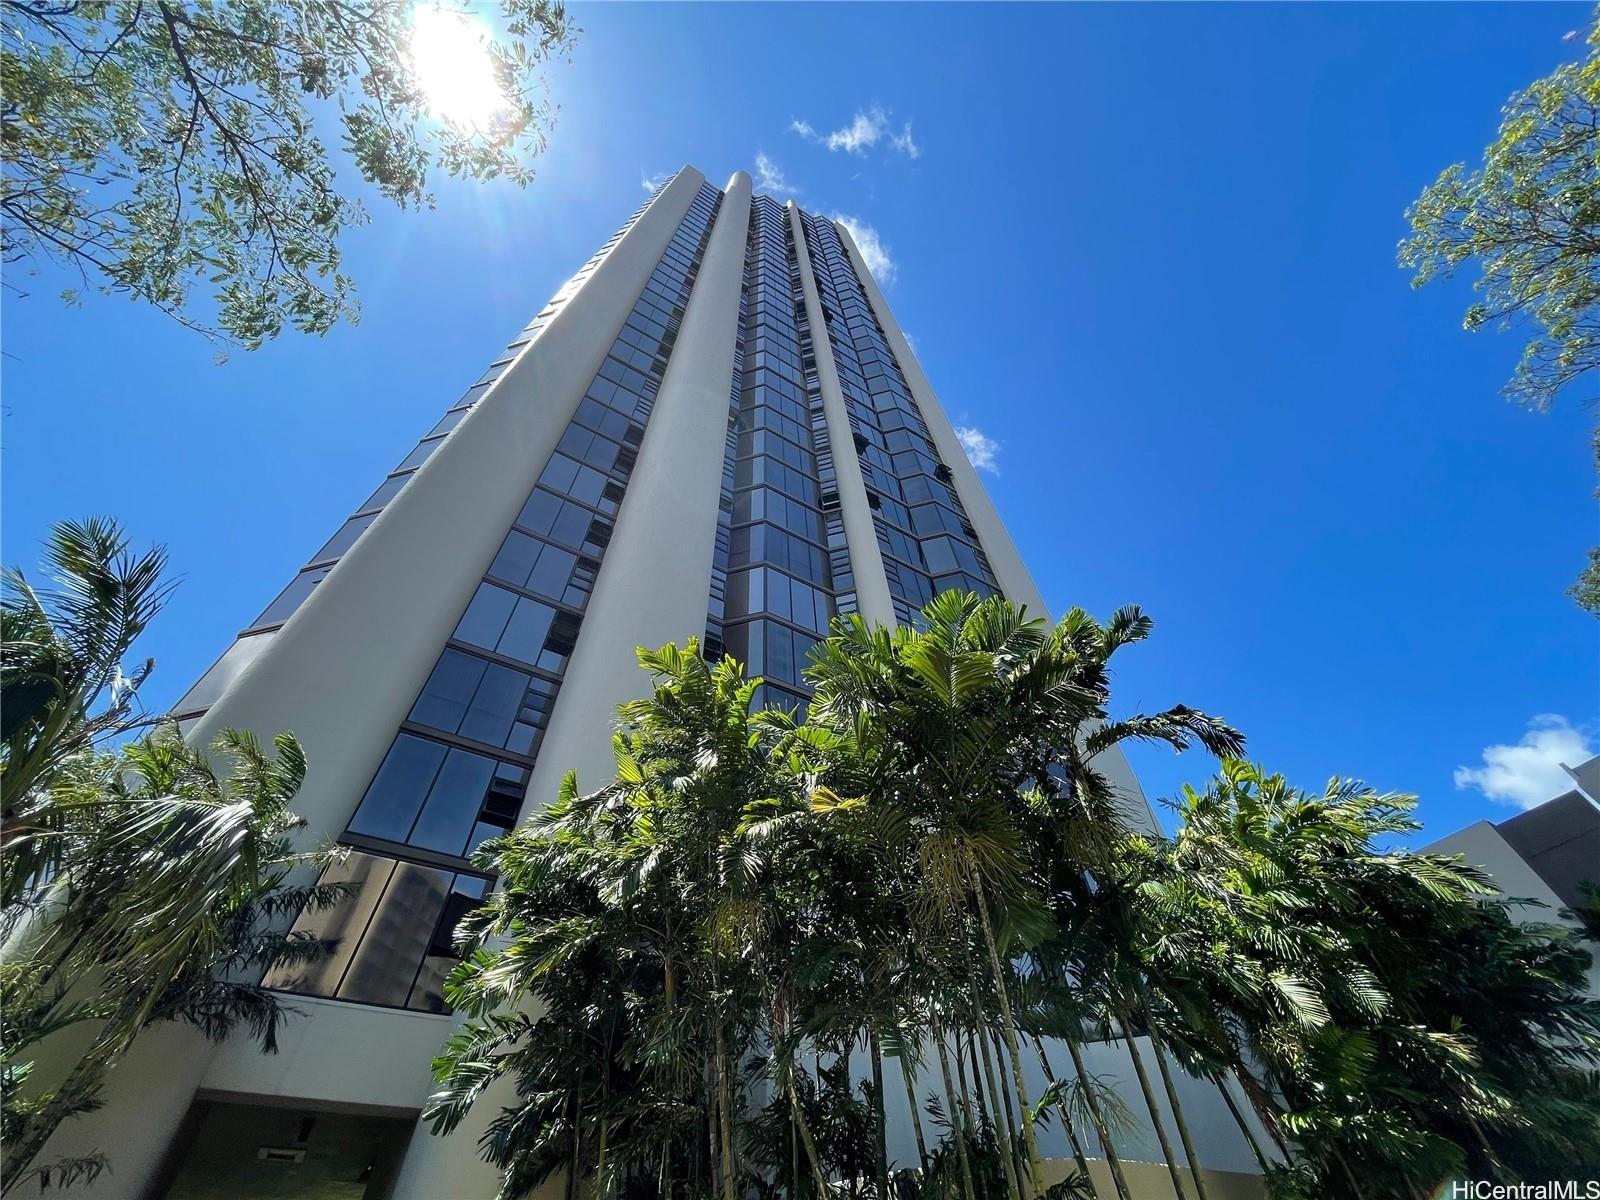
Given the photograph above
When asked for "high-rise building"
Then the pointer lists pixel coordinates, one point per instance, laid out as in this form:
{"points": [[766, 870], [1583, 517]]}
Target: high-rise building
{"points": [[714, 429]]}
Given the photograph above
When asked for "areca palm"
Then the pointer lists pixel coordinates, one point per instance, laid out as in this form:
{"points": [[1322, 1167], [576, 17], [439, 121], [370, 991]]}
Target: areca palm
{"points": [[139, 885], [1404, 1025], [64, 683], [980, 729], [625, 932], [173, 882]]}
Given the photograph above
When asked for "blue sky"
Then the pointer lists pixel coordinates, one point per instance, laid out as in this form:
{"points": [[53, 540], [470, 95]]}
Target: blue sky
{"points": [[1147, 252]]}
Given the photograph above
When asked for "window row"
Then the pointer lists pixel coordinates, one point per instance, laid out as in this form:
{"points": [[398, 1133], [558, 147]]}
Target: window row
{"points": [[566, 522], [945, 554], [764, 590], [788, 400], [765, 441], [518, 627], [774, 651], [440, 798], [536, 566], [754, 472], [568, 477], [898, 544], [907, 583], [763, 504], [486, 702], [766, 416], [776, 547], [601, 453], [391, 940]]}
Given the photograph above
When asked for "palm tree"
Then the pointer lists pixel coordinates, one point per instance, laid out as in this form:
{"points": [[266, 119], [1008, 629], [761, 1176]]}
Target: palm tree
{"points": [[170, 883], [138, 885], [63, 683], [980, 728], [633, 916], [1403, 1025]]}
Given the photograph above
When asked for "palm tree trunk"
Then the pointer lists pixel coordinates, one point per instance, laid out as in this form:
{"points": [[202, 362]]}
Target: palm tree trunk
{"points": [[1497, 1170], [1244, 1126], [577, 1143], [600, 1160], [1356, 1190], [916, 1112], [1066, 1120], [950, 1092], [725, 1104], [1009, 1027], [713, 1124], [1015, 1144], [881, 1132], [1112, 1161], [805, 1137], [1152, 1106], [1002, 1141], [964, 1056], [1172, 1099]]}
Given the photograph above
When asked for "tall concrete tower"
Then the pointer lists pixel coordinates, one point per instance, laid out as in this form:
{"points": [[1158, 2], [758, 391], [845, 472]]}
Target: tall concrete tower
{"points": [[715, 428]]}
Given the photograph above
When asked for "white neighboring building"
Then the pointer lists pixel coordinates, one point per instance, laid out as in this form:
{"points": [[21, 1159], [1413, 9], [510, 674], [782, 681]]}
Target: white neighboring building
{"points": [[1542, 854]]}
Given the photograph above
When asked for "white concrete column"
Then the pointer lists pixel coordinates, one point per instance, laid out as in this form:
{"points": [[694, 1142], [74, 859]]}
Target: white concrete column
{"points": [[866, 560], [652, 589], [1009, 570], [344, 670]]}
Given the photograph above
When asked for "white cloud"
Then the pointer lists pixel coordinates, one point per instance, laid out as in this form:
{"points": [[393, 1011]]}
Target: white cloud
{"points": [[651, 182], [769, 177], [982, 449], [866, 129], [862, 132], [1530, 773], [873, 252], [903, 142]]}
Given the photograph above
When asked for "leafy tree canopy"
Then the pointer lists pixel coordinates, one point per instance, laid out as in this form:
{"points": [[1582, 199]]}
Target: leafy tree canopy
{"points": [[1529, 218], [164, 148]]}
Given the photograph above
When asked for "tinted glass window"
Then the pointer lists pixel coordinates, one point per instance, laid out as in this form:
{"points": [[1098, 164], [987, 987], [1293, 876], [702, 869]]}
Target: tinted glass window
{"points": [[397, 791], [495, 706], [449, 691], [293, 596], [525, 633], [385, 493], [453, 804], [486, 617], [420, 455]]}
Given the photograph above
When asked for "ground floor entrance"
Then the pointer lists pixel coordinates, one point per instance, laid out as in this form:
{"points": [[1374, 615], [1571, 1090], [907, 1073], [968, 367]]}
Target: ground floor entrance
{"points": [[276, 1149]]}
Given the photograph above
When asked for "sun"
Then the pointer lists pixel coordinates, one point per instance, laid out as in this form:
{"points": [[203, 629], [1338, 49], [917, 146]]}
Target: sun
{"points": [[450, 54]]}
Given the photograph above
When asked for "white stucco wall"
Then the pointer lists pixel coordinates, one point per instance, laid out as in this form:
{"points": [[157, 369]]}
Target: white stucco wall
{"points": [[866, 560]]}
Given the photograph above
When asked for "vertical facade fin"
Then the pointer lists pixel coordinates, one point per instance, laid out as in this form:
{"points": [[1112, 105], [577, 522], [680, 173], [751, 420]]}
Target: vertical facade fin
{"points": [[850, 497]]}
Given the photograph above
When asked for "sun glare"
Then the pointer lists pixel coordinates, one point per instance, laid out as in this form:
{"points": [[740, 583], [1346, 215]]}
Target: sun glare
{"points": [[450, 52]]}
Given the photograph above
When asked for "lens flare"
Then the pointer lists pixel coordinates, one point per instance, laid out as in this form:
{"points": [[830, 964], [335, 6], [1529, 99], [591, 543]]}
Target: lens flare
{"points": [[450, 54]]}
